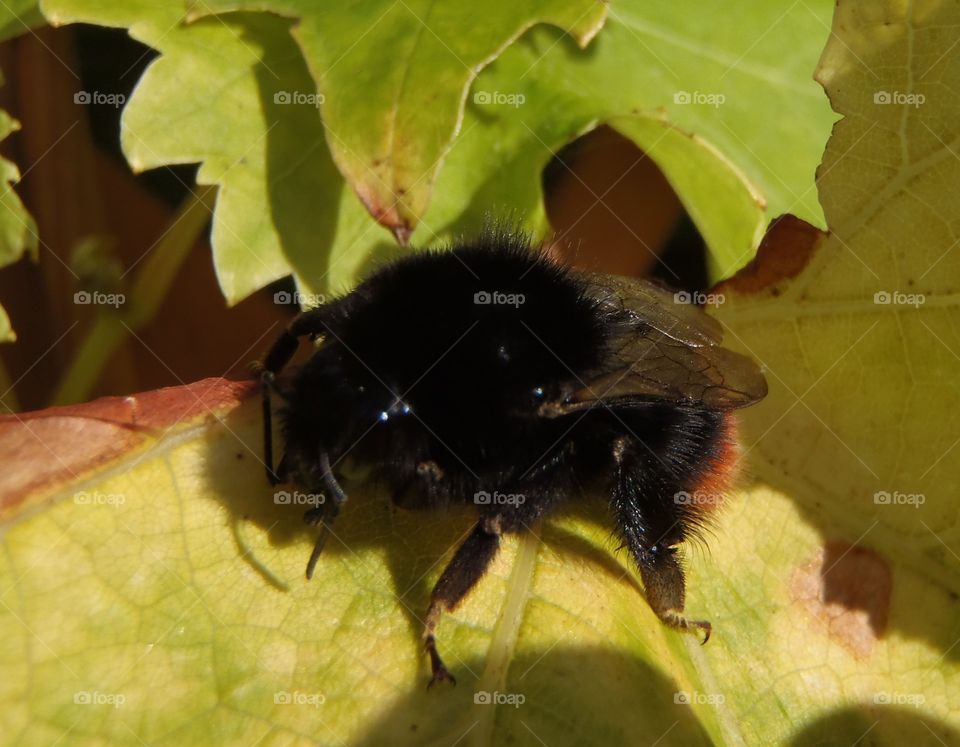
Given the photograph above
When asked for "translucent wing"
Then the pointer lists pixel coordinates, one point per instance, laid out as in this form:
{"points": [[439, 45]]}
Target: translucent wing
{"points": [[662, 349], [647, 304]]}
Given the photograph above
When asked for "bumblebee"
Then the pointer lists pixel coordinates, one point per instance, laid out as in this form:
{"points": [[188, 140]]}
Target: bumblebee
{"points": [[487, 374]]}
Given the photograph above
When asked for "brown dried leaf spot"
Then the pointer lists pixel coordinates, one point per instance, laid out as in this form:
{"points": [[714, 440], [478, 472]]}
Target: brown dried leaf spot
{"points": [[787, 247], [846, 590]]}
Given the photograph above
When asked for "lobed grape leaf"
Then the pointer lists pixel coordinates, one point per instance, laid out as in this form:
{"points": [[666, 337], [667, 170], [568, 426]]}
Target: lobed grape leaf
{"points": [[248, 113]]}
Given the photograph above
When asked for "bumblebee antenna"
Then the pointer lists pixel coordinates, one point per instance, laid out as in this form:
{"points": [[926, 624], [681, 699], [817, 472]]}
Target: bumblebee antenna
{"points": [[324, 515], [317, 549], [330, 481], [313, 323], [267, 384]]}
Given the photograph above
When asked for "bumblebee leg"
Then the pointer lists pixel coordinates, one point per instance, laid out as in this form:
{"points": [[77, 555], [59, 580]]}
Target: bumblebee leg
{"points": [[406, 496], [651, 523], [467, 567], [665, 588]]}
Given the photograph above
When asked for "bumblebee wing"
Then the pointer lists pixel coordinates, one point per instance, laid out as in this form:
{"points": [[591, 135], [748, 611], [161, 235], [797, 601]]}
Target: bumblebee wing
{"points": [[646, 304], [651, 365], [662, 350]]}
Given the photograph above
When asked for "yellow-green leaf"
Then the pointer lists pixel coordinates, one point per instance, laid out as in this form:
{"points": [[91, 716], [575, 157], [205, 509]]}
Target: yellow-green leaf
{"points": [[736, 125], [852, 588], [154, 590], [18, 232], [394, 79]]}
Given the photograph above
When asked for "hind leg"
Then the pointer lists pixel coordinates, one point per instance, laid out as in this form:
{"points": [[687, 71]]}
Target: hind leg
{"points": [[652, 523], [665, 588]]}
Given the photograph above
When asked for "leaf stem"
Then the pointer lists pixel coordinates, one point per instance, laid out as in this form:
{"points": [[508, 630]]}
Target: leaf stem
{"points": [[147, 292]]}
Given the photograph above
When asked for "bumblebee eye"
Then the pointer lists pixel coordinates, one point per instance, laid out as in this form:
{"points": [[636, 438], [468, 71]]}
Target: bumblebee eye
{"points": [[503, 354], [538, 392]]}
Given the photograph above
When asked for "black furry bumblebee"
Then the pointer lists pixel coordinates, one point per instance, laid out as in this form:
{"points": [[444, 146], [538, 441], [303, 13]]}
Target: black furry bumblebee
{"points": [[487, 369]]}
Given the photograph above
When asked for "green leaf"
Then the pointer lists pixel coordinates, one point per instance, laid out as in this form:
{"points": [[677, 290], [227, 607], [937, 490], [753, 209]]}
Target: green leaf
{"points": [[721, 74], [756, 122], [284, 208], [18, 232], [19, 16], [745, 99], [734, 165], [394, 77], [858, 333], [276, 179]]}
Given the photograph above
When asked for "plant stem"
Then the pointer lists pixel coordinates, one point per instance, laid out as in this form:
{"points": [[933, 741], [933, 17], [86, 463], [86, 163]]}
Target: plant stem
{"points": [[147, 292]]}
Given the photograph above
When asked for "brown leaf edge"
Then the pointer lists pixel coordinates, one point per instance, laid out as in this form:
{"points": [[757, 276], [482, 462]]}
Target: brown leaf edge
{"points": [[785, 251], [44, 449]]}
